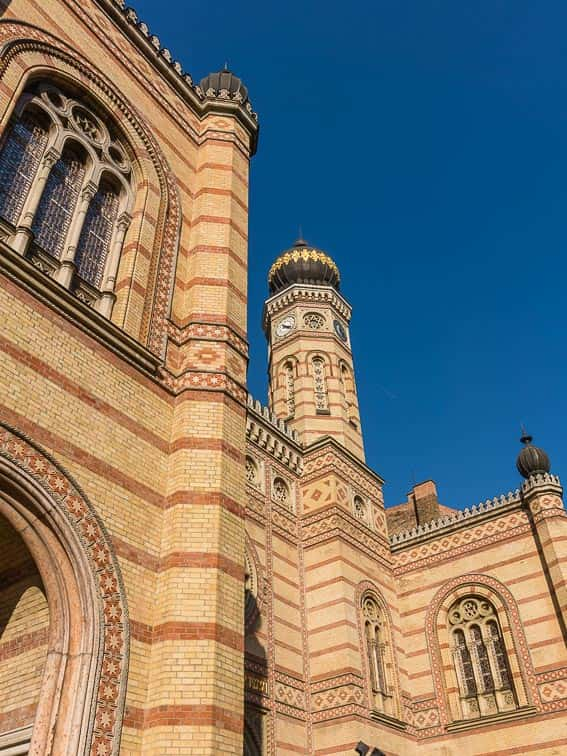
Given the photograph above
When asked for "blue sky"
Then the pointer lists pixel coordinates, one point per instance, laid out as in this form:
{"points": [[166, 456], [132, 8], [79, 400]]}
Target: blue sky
{"points": [[423, 144]]}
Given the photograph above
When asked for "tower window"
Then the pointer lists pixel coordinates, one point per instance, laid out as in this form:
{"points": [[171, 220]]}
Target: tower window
{"points": [[320, 385]]}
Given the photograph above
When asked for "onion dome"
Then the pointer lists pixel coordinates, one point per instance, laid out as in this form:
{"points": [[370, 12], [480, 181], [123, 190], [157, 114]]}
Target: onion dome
{"points": [[225, 85], [303, 264], [531, 460]]}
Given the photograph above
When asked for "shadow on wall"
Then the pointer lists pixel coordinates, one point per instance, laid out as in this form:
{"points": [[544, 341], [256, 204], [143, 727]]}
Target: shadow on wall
{"points": [[4, 5], [257, 662]]}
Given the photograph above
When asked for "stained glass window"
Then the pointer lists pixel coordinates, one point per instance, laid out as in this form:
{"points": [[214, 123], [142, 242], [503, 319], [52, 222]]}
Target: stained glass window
{"points": [[465, 663], [58, 202], [19, 161], [96, 234], [482, 654], [480, 657], [500, 654]]}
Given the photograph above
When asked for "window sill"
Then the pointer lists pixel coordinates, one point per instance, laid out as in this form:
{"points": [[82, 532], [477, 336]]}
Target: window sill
{"points": [[91, 322], [503, 716], [386, 719]]}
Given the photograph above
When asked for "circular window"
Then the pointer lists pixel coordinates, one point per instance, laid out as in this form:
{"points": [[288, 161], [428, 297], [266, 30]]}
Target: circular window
{"points": [[313, 320], [86, 123]]}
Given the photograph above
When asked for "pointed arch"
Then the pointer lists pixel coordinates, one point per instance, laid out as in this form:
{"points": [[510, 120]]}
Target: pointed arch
{"points": [[83, 687]]}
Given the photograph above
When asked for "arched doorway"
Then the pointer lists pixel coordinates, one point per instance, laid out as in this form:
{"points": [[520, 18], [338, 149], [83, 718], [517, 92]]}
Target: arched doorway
{"points": [[64, 620], [24, 629]]}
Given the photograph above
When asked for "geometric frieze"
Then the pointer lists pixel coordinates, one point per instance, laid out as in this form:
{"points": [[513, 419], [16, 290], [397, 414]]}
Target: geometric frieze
{"points": [[465, 539]]}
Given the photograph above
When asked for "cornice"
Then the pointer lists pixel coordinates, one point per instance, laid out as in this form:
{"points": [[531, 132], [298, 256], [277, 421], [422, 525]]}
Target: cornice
{"points": [[308, 293], [328, 444], [59, 299], [272, 435], [149, 45], [484, 511]]}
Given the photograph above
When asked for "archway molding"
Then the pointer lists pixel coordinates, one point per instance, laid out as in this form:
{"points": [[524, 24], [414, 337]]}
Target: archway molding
{"points": [[436, 624], [28, 52], [84, 683]]}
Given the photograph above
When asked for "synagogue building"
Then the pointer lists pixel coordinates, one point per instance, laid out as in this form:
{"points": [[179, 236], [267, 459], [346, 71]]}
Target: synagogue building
{"points": [[184, 571]]}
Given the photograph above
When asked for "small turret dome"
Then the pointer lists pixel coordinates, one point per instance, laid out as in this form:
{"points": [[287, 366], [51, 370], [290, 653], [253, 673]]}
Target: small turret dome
{"points": [[303, 264], [532, 460], [224, 85]]}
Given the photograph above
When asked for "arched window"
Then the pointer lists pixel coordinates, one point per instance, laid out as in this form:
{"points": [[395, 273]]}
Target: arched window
{"points": [[96, 234], [59, 200], [289, 388], [23, 148], [320, 385], [347, 387], [480, 658], [376, 642], [66, 191]]}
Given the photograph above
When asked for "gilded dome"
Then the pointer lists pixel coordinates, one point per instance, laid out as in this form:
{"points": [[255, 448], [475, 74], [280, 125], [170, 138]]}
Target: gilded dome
{"points": [[532, 460], [303, 264]]}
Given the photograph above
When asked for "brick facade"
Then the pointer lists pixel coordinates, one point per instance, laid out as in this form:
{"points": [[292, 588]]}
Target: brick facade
{"points": [[141, 488]]}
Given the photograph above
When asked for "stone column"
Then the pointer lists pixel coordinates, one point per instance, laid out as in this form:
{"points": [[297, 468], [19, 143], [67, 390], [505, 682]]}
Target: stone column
{"points": [[24, 232]]}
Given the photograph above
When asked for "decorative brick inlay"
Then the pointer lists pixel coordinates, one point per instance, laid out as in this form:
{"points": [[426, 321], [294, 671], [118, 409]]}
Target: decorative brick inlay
{"points": [[75, 507]]}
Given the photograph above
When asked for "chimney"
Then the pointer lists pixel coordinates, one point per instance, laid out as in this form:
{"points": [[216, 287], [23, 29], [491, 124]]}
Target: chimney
{"points": [[423, 498]]}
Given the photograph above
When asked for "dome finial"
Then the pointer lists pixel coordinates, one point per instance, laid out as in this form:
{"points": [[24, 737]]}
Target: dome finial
{"points": [[531, 460], [525, 437]]}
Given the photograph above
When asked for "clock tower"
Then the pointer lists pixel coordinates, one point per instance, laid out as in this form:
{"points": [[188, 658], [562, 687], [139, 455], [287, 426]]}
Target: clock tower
{"points": [[311, 371]]}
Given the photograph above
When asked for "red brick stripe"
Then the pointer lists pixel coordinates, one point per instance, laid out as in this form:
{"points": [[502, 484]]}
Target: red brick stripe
{"points": [[187, 631], [92, 344], [23, 643], [190, 559], [100, 405], [20, 717], [183, 715]]}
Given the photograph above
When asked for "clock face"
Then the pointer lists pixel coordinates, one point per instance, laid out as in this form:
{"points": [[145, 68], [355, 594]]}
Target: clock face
{"points": [[285, 326], [340, 330]]}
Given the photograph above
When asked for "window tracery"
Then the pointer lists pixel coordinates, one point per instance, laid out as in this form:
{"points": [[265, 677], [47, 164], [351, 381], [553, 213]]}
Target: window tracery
{"points": [[289, 386], [360, 509], [281, 493], [480, 658], [313, 320], [66, 191], [252, 476], [375, 640], [320, 384]]}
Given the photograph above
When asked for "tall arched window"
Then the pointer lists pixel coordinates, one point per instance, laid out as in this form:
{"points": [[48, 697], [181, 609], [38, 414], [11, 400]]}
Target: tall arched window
{"points": [[376, 641], [66, 191], [480, 659], [23, 148], [289, 387], [59, 200], [320, 385], [96, 234]]}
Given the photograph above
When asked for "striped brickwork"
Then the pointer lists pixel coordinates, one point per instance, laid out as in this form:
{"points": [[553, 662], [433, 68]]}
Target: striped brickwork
{"points": [[160, 455]]}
